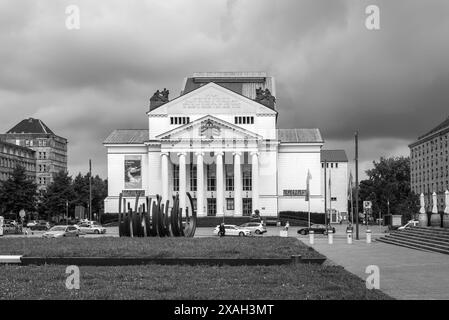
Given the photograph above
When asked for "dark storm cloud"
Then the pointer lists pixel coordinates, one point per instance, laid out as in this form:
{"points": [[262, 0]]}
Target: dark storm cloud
{"points": [[331, 72]]}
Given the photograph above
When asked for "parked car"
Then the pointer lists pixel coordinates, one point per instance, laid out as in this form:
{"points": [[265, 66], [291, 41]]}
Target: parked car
{"points": [[62, 231], [233, 230], [32, 223], [10, 228], [256, 227], [316, 228], [95, 228], [41, 225], [411, 223]]}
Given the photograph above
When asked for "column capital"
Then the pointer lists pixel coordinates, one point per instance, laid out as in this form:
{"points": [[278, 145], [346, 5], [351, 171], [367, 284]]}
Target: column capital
{"points": [[255, 153], [237, 153], [165, 153], [182, 154], [219, 153], [199, 153]]}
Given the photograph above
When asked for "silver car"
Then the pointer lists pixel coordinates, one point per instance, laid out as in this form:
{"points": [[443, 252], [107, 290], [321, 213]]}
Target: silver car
{"points": [[256, 227], [91, 228], [62, 231]]}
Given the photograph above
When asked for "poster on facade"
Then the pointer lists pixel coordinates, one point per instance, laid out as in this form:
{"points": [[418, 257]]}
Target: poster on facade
{"points": [[133, 172]]}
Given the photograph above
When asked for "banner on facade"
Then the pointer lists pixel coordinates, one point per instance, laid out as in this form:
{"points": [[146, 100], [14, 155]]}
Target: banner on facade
{"points": [[133, 172], [133, 193], [295, 193]]}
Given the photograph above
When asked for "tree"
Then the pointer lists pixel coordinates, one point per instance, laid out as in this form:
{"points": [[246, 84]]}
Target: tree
{"points": [[18, 192], [59, 193], [388, 187]]}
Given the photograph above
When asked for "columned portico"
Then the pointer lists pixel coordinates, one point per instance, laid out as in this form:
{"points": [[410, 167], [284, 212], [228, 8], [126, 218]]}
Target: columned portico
{"points": [[200, 184], [220, 183], [164, 174], [182, 181], [255, 179], [237, 184]]}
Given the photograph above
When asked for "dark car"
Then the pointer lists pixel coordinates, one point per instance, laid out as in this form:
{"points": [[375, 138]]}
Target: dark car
{"points": [[41, 225], [316, 228]]}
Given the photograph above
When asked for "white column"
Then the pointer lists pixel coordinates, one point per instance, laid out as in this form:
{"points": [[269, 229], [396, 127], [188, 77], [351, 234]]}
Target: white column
{"points": [[255, 180], [182, 181], [220, 184], [164, 176], [237, 185], [200, 184]]}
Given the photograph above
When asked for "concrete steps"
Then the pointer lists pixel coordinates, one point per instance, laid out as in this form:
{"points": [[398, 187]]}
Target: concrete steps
{"points": [[420, 238]]}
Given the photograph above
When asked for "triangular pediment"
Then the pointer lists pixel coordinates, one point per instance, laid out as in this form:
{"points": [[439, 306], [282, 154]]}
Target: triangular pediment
{"points": [[212, 99], [209, 128]]}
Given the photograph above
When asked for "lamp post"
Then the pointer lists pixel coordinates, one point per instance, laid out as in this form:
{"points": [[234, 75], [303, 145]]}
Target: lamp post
{"points": [[356, 138]]}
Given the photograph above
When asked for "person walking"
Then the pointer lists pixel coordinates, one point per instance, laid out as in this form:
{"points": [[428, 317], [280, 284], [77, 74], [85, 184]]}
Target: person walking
{"points": [[222, 230], [287, 224]]}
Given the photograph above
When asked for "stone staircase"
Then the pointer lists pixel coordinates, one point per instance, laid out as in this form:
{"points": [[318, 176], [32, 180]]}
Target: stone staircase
{"points": [[420, 238]]}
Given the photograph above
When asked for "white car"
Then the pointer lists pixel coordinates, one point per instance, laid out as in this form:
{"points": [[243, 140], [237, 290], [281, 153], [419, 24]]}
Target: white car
{"points": [[62, 231], [256, 227], [233, 230], [32, 223], [89, 227], [411, 223]]}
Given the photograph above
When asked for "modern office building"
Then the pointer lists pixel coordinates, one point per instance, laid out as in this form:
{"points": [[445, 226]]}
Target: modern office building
{"points": [[50, 149], [336, 164], [219, 140], [12, 155], [429, 164]]}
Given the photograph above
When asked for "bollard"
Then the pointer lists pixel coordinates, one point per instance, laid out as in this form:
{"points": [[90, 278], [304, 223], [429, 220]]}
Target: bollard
{"points": [[349, 236], [368, 236], [330, 237], [1, 225], [311, 237]]}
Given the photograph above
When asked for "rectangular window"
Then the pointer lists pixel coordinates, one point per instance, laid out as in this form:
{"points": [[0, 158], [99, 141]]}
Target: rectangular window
{"points": [[229, 203], [193, 180], [247, 179], [229, 177], [211, 178], [247, 206], [175, 177], [211, 206]]}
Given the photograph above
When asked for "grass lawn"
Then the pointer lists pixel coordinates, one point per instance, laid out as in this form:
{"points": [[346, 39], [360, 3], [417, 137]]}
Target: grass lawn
{"points": [[304, 281], [229, 247]]}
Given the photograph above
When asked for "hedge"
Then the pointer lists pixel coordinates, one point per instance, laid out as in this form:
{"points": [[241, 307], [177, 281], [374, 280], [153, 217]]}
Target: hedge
{"points": [[301, 218]]}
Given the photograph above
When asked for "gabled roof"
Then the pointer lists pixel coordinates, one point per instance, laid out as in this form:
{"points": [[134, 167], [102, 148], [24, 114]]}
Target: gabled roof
{"points": [[214, 120], [334, 156], [127, 136], [206, 85], [30, 125], [299, 136], [441, 126]]}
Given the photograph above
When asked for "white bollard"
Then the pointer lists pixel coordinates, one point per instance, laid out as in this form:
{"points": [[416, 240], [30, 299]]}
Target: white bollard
{"points": [[368, 236], [330, 237], [1, 225], [311, 237], [349, 236]]}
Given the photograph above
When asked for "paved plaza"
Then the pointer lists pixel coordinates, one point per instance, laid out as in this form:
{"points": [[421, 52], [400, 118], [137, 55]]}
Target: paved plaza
{"points": [[404, 273]]}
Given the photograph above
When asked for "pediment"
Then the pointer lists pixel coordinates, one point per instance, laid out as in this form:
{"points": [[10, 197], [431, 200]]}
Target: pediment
{"points": [[212, 99], [209, 128]]}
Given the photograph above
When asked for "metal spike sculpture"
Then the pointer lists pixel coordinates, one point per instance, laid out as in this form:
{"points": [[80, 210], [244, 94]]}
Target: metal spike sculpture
{"points": [[153, 218]]}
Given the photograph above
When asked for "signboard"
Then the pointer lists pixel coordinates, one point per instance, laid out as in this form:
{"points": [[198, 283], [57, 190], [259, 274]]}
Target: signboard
{"points": [[133, 193], [367, 204], [22, 213], [133, 172], [295, 193]]}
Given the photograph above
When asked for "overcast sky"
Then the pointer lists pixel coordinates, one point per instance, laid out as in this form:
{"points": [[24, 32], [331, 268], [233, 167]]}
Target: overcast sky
{"points": [[331, 72]]}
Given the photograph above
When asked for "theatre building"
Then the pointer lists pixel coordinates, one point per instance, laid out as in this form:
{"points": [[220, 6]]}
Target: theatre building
{"points": [[219, 141]]}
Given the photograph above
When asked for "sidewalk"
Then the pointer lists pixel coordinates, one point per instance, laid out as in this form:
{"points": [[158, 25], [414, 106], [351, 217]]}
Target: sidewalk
{"points": [[404, 273]]}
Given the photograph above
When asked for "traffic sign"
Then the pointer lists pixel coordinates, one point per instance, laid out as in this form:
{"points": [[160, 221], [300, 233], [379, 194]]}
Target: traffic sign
{"points": [[367, 204], [22, 213]]}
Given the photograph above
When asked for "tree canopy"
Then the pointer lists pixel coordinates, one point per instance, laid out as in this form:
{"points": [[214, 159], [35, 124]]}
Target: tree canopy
{"points": [[18, 192], [388, 184]]}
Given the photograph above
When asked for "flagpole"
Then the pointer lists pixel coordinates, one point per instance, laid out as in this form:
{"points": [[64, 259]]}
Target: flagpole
{"points": [[330, 196], [308, 194], [325, 192], [352, 205]]}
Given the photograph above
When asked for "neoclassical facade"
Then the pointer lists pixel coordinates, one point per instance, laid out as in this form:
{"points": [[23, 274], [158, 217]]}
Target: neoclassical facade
{"points": [[219, 141]]}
